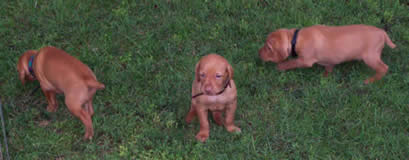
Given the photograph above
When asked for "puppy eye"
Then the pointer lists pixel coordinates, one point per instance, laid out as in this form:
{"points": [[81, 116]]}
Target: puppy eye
{"points": [[218, 76], [269, 47]]}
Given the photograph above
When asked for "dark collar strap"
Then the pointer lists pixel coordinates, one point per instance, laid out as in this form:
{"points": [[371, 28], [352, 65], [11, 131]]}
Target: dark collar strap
{"points": [[293, 43], [30, 65], [218, 93], [224, 88], [197, 95]]}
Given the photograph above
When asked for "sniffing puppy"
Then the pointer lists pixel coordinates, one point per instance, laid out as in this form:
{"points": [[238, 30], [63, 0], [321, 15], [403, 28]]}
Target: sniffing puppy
{"points": [[327, 46], [213, 90], [59, 72]]}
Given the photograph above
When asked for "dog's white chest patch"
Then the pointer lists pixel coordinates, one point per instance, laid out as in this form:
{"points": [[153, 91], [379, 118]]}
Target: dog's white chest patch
{"points": [[218, 99]]}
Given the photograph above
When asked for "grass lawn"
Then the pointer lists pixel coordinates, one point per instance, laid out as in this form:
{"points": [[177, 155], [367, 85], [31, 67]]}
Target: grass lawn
{"points": [[145, 52]]}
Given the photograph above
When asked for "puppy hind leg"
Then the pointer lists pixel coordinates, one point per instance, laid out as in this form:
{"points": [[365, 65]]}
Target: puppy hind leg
{"points": [[191, 115], [75, 107], [377, 65], [88, 105], [217, 117], [229, 122]]}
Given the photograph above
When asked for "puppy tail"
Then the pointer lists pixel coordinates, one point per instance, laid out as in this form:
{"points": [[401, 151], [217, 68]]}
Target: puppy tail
{"points": [[388, 41], [95, 84]]}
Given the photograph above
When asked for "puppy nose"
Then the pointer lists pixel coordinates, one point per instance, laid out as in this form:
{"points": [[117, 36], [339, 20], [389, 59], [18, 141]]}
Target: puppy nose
{"points": [[208, 88]]}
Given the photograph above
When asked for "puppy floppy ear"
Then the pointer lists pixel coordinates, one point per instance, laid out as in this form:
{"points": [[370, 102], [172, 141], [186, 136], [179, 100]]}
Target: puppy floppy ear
{"points": [[283, 52], [230, 71], [22, 65], [197, 74], [283, 46]]}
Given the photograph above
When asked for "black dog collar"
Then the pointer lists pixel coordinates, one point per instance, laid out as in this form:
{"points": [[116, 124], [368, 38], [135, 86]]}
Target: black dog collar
{"points": [[218, 93], [293, 43]]}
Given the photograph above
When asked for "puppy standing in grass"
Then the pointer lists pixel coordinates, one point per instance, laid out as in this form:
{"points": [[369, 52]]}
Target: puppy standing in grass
{"points": [[213, 89], [58, 72], [327, 46]]}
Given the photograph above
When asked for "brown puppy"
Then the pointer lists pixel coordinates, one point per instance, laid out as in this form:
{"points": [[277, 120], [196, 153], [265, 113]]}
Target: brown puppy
{"points": [[58, 72], [213, 89], [328, 46]]}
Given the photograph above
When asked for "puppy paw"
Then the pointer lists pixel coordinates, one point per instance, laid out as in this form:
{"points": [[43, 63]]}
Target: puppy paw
{"points": [[325, 74], [202, 136], [188, 120], [88, 136], [369, 80], [219, 122], [51, 108], [234, 129]]}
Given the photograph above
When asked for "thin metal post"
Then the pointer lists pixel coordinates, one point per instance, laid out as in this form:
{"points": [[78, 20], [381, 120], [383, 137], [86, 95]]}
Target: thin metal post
{"points": [[4, 134]]}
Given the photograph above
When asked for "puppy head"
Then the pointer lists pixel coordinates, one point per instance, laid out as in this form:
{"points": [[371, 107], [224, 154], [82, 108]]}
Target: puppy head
{"points": [[276, 48], [213, 72], [22, 66]]}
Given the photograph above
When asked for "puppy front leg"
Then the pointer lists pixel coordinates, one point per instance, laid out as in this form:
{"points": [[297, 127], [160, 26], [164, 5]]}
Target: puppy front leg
{"points": [[204, 125], [230, 110], [52, 103], [293, 63]]}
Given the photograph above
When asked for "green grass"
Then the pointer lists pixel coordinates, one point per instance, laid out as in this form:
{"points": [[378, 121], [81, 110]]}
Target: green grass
{"points": [[145, 52]]}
